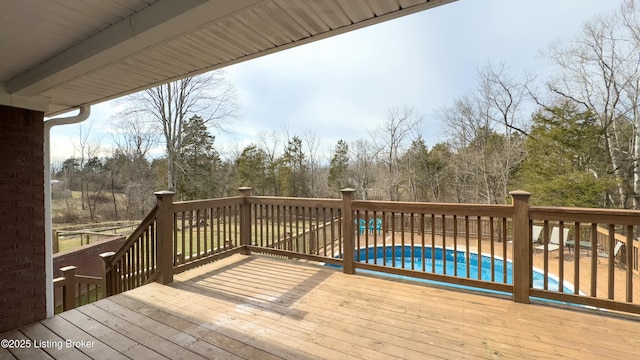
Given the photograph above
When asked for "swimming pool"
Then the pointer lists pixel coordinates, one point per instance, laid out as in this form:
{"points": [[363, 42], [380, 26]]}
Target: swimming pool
{"points": [[413, 260]]}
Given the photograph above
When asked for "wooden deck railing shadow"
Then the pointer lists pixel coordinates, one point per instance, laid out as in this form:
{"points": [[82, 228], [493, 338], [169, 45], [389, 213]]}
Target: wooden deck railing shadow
{"points": [[480, 246], [218, 284]]}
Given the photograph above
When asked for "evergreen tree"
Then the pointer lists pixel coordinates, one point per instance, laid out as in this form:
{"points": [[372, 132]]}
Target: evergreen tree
{"points": [[292, 169], [565, 166], [418, 165], [338, 167], [251, 169], [200, 165]]}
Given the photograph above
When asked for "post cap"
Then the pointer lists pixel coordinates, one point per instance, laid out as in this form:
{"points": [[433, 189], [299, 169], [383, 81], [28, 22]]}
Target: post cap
{"points": [[520, 193], [107, 254], [164, 193]]}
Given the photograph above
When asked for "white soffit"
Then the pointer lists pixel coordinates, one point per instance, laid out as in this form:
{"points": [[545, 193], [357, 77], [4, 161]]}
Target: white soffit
{"points": [[75, 52]]}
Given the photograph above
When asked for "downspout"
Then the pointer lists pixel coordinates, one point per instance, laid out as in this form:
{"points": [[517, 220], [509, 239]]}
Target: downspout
{"points": [[84, 113]]}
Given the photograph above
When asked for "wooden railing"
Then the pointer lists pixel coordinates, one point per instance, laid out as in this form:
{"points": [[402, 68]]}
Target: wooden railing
{"points": [[75, 290], [479, 246], [604, 236], [419, 237], [586, 259], [205, 230], [136, 262], [297, 228]]}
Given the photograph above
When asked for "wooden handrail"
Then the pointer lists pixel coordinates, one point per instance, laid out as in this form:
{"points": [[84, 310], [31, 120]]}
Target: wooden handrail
{"points": [[597, 216], [617, 236], [438, 208], [135, 235], [184, 206]]}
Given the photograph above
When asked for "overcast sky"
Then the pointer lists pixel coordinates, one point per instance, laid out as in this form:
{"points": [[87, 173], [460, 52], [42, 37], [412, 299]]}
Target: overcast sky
{"points": [[342, 87]]}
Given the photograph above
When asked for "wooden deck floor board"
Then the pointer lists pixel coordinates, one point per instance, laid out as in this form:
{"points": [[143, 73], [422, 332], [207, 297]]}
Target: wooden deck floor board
{"points": [[401, 322], [6, 355], [336, 325], [138, 333], [23, 352], [333, 329], [109, 337], [166, 332], [263, 308], [352, 322], [51, 343], [209, 335], [67, 330], [397, 319], [247, 332], [249, 318]]}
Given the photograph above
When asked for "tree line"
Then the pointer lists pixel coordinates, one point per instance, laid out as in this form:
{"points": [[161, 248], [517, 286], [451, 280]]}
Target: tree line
{"points": [[571, 140]]}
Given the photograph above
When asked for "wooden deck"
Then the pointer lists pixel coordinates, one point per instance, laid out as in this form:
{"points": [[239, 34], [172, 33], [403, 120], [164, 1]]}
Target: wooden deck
{"points": [[263, 308]]}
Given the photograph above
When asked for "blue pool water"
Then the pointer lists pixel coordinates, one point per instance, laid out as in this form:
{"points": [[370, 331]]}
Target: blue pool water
{"points": [[395, 257]]}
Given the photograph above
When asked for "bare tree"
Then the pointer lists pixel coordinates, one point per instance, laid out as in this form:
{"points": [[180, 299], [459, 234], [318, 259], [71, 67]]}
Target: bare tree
{"points": [[269, 143], [486, 133], [135, 136], [392, 139], [363, 154], [88, 149], [312, 143], [210, 96]]}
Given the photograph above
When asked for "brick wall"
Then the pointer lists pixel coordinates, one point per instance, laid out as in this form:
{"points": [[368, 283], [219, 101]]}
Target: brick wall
{"points": [[86, 258], [22, 240]]}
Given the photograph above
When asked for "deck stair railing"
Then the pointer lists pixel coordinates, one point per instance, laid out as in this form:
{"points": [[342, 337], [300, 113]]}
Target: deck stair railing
{"points": [[136, 262], [481, 246], [75, 290]]}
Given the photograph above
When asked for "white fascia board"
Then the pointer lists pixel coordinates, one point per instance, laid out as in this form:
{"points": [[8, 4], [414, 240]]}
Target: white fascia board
{"points": [[36, 103]]}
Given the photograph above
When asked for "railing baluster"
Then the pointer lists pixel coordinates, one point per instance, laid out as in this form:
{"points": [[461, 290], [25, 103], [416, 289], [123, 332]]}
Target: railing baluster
{"points": [[480, 264], [546, 239], [493, 250], [630, 263], [610, 265], [594, 259], [444, 244], [504, 250], [467, 256], [393, 239], [433, 243], [423, 240], [576, 252], [403, 229], [411, 234], [455, 245]]}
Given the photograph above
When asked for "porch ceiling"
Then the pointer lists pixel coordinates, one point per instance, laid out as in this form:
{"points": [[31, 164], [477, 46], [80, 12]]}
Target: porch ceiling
{"points": [[63, 54]]}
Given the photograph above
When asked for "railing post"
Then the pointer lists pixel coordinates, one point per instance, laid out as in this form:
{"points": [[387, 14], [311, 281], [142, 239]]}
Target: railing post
{"points": [[521, 247], [56, 242], [69, 288], [107, 277], [164, 224], [348, 230], [245, 220]]}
